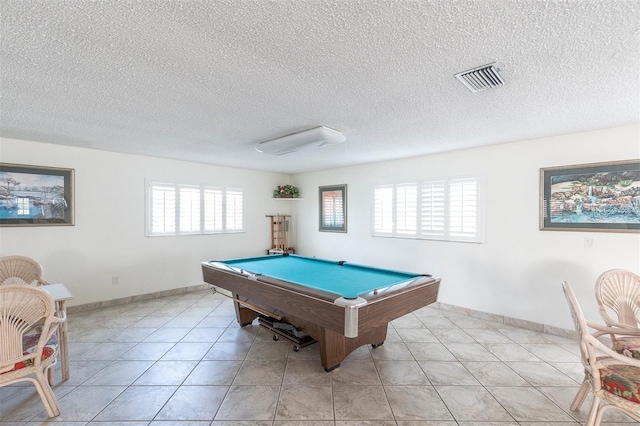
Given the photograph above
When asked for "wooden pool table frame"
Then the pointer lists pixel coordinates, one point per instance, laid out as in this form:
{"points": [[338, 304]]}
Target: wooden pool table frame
{"points": [[316, 313]]}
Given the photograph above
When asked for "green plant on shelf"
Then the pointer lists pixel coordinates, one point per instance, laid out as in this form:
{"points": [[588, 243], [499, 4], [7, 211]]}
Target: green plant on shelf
{"points": [[286, 191]]}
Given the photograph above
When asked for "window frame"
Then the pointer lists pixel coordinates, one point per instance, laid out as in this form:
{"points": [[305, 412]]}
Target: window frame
{"points": [[204, 191], [426, 185], [333, 208]]}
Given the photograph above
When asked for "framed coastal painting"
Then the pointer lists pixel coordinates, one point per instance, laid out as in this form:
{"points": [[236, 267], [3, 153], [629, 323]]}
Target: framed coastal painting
{"points": [[36, 195], [591, 197], [333, 208]]}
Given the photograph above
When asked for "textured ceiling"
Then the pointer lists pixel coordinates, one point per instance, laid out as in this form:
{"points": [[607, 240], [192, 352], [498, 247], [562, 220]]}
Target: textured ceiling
{"points": [[205, 81]]}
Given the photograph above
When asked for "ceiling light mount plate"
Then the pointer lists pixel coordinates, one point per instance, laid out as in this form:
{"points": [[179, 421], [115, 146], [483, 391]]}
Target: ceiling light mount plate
{"points": [[481, 78], [308, 139]]}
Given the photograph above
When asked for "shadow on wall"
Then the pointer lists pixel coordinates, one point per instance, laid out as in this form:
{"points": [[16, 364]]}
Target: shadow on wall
{"points": [[546, 278]]}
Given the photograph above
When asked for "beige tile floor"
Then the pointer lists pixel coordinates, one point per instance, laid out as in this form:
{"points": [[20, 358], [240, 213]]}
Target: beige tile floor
{"points": [[183, 360]]}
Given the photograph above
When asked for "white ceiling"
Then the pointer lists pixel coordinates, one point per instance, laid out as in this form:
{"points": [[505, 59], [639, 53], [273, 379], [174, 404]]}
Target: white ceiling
{"points": [[205, 81]]}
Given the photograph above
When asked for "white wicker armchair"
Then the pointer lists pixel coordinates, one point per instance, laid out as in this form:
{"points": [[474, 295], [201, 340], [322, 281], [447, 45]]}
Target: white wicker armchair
{"points": [[20, 270], [618, 297], [613, 379], [29, 346]]}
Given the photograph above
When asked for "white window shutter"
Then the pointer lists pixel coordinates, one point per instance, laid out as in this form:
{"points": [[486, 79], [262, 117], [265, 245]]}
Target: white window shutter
{"points": [[193, 209], [233, 210], [432, 209], [463, 208], [212, 210], [407, 209], [189, 207], [333, 210], [162, 209], [383, 210], [450, 209]]}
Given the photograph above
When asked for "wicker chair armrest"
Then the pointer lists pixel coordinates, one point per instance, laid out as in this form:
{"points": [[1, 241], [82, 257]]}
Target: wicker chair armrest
{"points": [[9, 364], [627, 329], [622, 329], [616, 358], [60, 317], [54, 325]]}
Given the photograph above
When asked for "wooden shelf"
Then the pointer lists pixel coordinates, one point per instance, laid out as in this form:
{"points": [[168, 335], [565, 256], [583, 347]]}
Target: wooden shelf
{"points": [[281, 230]]}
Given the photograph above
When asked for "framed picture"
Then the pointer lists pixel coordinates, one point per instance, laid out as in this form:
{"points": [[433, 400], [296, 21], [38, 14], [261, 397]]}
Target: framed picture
{"points": [[591, 197], [36, 196], [333, 208]]}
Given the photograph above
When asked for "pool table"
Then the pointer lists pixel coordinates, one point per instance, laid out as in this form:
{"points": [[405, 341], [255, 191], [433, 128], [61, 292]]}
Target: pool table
{"points": [[341, 305]]}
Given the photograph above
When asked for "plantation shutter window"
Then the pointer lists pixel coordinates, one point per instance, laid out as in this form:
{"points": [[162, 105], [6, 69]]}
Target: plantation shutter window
{"points": [[175, 209], [333, 209], [449, 209]]}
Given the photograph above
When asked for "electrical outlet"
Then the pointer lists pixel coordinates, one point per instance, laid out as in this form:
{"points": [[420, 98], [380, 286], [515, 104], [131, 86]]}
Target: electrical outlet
{"points": [[588, 242], [115, 280]]}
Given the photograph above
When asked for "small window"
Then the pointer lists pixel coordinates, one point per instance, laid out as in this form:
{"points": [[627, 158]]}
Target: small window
{"points": [[449, 209], [175, 209], [333, 208], [23, 206]]}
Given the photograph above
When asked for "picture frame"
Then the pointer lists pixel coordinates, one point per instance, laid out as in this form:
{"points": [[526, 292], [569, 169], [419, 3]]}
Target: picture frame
{"points": [[333, 208], [36, 195], [591, 197]]}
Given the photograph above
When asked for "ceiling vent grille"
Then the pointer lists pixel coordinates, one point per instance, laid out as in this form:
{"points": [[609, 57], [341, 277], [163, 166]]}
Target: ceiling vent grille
{"points": [[481, 78]]}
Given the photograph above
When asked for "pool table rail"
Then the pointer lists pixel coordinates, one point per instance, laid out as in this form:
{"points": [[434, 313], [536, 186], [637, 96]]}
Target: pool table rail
{"points": [[339, 325], [273, 295]]}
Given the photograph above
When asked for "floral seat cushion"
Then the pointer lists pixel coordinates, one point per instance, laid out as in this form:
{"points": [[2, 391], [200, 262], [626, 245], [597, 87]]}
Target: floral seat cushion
{"points": [[30, 345], [628, 346], [622, 380]]}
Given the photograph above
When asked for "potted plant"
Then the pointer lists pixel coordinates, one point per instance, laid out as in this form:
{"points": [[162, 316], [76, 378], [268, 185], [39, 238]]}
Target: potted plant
{"points": [[286, 191]]}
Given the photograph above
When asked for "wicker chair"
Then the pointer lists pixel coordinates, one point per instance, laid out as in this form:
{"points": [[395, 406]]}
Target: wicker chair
{"points": [[29, 345], [20, 270], [618, 294], [613, 379]]}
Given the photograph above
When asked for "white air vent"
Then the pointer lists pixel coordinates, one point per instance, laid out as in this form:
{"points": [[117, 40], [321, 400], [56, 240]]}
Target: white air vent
{"points": [[481, 78]]}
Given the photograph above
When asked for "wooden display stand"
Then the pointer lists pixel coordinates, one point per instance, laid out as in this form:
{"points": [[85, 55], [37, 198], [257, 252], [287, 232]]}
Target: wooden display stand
{"points": [[280, 234]]}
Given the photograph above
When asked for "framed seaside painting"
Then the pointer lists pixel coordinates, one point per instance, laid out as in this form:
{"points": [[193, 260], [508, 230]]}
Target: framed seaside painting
{"points": [[36, 196], [591, 197]]}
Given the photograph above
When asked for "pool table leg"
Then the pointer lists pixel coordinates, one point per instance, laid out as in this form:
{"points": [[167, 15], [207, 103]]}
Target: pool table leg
{"points": [[335, 347], [245, 316]]}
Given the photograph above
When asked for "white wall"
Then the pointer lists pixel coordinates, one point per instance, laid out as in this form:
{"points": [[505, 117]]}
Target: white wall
{"points": [[518, 270], [108, 238]]}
